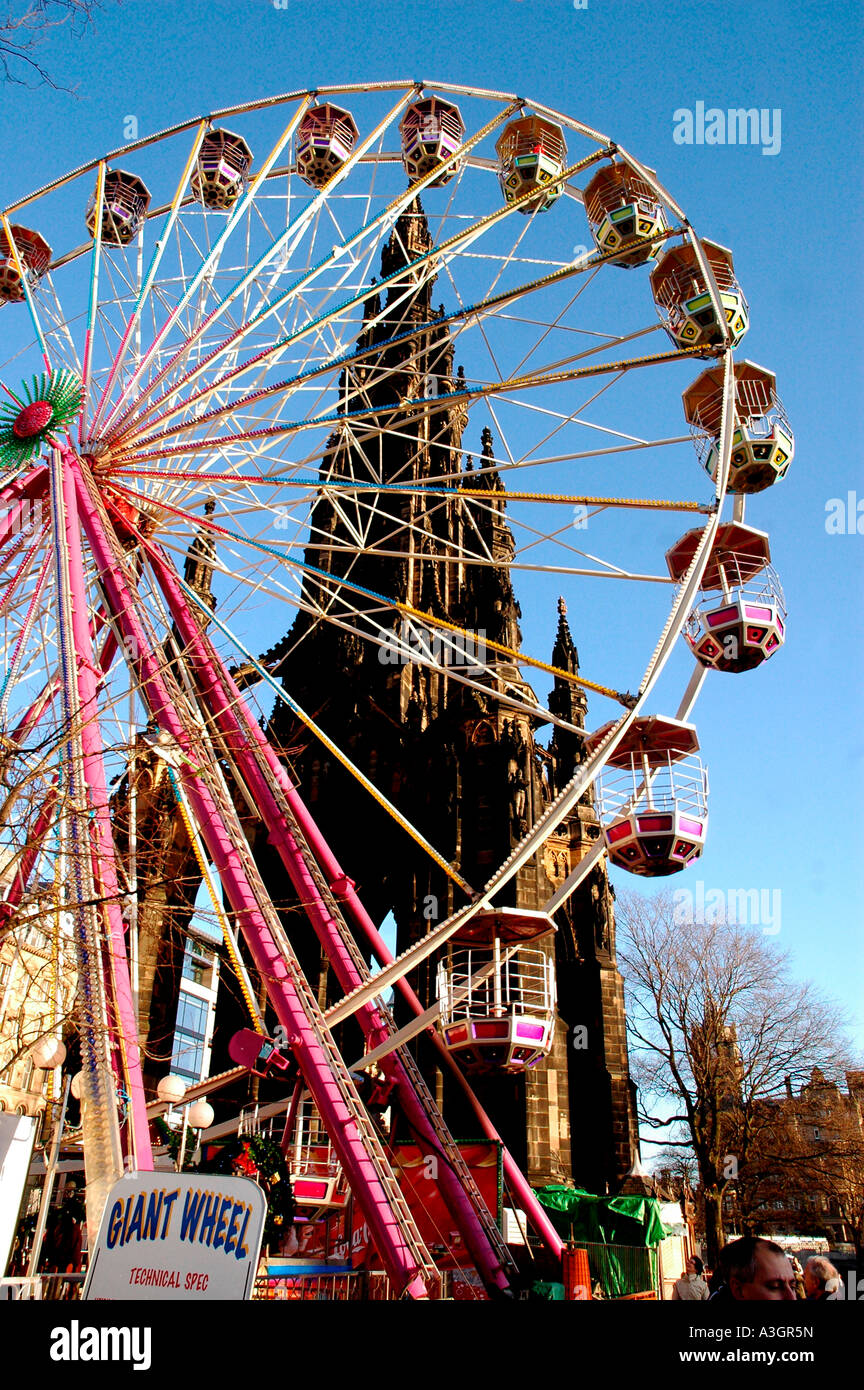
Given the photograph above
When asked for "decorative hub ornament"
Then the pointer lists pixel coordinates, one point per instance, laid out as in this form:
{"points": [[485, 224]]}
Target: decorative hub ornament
{"points": [[33, 419], [46, 406]]}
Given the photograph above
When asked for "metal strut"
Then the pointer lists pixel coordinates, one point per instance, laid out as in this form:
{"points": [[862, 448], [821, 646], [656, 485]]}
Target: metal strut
{"points": [[82, 795], [353, 1134]]}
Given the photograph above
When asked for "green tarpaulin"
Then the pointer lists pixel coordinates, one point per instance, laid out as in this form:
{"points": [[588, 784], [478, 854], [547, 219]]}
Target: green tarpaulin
{"points": [[579, 1215], [543, 1288], [621, 1235]]}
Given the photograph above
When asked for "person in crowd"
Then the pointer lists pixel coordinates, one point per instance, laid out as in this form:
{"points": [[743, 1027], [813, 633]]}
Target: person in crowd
{"points": [[62, 1251], [753, 1269], [800, 1292], [691, 1287], [821, 1280]]}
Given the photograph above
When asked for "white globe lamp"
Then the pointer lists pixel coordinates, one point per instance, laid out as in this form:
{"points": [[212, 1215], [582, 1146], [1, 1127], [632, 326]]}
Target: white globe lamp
{"points": [[200, 1115], [171, 1089], [49, 1053]]}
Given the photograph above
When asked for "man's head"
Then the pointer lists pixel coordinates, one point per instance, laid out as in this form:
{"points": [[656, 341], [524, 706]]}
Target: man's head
{"points": [[757, 1269], [820, 1277]]}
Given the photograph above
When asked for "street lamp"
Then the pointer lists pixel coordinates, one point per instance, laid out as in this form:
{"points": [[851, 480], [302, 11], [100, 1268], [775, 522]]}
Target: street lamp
{"points": [[200, 1115], [197, 1114], [48, 1054], [171, 1089]]}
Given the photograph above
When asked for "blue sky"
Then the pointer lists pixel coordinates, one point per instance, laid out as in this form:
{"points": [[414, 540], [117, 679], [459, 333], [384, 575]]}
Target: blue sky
{"points": [[784, 744]]}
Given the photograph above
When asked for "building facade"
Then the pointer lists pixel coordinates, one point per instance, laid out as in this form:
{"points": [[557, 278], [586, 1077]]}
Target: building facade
{"points": [[809, 1178], [37, 994]]}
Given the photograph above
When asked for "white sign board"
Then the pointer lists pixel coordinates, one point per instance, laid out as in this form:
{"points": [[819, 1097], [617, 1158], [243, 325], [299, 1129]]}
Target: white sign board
{"points": [[17, 1133], [515, 1226], [178, 1236]]}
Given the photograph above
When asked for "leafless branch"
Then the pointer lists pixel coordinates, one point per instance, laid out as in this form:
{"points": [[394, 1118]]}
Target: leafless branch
{"points": [[26, 27]]}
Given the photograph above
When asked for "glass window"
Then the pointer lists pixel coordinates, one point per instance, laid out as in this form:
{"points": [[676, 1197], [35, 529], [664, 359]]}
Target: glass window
{"points": [[195, 970], [36, 936], [197, 964], [187, 1057], [192, 1015]]}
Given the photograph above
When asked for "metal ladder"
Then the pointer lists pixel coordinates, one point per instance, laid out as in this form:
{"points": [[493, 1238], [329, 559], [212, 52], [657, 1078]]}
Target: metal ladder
{"points": [[335, 1076]]}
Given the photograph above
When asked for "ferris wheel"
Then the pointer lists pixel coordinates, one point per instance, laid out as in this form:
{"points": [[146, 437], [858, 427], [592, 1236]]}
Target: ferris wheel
{"points": [[212, 329]]}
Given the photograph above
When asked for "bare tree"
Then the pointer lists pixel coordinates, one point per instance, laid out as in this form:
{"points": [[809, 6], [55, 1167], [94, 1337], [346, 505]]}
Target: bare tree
{"points": [[26, 27], [717, 1025]]}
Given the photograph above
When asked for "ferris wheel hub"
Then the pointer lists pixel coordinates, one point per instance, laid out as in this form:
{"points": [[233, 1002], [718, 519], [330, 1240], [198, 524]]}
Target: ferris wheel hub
{"points": [[95, 449]]}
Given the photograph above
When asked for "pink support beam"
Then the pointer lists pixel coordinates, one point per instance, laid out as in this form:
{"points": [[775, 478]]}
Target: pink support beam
{"points": [[48, 693], [338, 880], [244, 740], [27, 862], [102, 843], [294, 1003], [21, 504], [25, 485]]}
